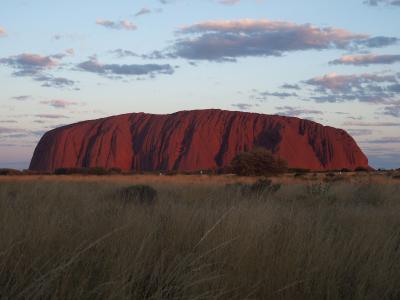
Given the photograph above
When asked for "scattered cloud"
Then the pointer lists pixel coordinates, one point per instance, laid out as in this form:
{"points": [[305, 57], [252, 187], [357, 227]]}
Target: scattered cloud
{"points": [[281, 95], [229, 2], [70, 51], [296, 111], [59, 103], [34, 66], [143, 11], [372, 124], [336, 82], [229, 40], [384, 2], [120, 53], [243, 106], [383, 140], [120, 25], [366, 60], [3, 32], [9, 133], [288, 86], [94, 66], [56, 82], [360, 132], [8, 121], [68, 36], [260, 96], [368, 87], [9, 130], [57, 37], [29, 64], [156, 54], [22, 98], [51, 116], [393, 111], [234, 2]]}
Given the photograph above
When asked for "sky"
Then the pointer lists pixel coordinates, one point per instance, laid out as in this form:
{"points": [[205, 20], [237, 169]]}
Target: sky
{"points": [[334, 62]]}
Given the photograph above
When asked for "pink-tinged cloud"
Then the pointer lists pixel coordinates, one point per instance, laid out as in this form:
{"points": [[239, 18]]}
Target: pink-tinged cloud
{"points": [[31, 60], [265, 25], [227, 40], [366, 59], [34, 65], [59, 103], [28, 64], [3, 32], [120, 25], [373, 88], [335, 82]]}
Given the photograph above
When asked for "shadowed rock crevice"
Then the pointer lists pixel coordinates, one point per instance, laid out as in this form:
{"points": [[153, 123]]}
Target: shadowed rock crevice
{"points": [[219, 159]]}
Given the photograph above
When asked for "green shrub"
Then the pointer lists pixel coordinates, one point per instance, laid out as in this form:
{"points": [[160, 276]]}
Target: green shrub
{"points": [[361, 169], [299, 170], [98, 171], [86, 171], [9, 172], [31, 172], [259, 162], [299, 175], [115, 171], [171, 173]]}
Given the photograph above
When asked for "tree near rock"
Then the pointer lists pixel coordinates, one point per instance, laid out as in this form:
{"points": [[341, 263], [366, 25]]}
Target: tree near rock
{"points": [[259, 162]]}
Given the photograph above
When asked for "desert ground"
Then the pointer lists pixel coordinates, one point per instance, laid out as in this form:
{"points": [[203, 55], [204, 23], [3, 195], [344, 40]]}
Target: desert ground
{"points": [[298, 236]]}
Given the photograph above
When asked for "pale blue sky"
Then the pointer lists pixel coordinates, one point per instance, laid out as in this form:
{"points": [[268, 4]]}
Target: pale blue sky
{"points": [[58, 56]]}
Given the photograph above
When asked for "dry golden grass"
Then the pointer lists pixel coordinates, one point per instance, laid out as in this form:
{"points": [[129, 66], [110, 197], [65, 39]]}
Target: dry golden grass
{"points": [[72, 238], [351, 177]]}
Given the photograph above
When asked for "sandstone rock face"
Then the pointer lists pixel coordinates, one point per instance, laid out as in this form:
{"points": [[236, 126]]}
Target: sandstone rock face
{"points": [[194, 140]]}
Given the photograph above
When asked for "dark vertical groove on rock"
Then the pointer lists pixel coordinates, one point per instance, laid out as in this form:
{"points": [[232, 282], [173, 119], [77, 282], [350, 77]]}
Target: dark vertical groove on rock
{"points": [[225, 141]]}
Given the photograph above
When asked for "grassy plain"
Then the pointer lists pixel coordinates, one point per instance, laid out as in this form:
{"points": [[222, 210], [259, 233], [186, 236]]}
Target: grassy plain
{"points": [[317, 237]]}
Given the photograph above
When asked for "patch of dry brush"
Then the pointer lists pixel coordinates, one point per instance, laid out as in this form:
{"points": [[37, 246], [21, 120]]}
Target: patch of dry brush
{"points": [[71, 240]]}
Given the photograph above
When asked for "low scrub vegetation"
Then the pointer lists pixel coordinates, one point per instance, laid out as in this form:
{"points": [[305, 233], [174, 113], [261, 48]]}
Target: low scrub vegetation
{"points": [[361, 169], [9, 172], [87, 171], [78, 240], [259, 162], [139, 194]]}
